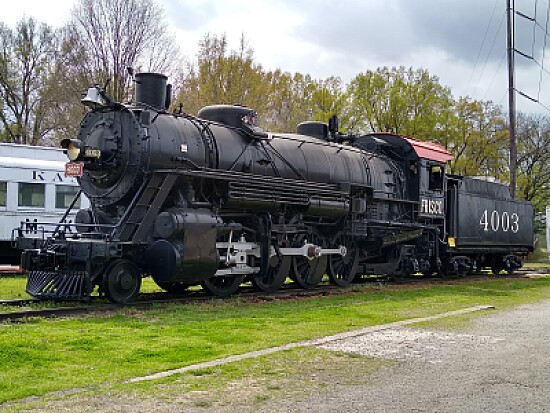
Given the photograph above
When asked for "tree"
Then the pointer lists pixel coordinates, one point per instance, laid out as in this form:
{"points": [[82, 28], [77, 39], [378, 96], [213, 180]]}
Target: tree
{"points": [[291, 101], [297, 97], [476, 137], [65, 84], [282, 100], [405, 101], [327, 99], [533, 174], [224, 76], [279, 115], [26, 56], [117, 34]]}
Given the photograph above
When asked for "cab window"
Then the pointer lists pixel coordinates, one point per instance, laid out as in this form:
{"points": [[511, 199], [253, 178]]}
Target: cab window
{"points": [[436, 178]]}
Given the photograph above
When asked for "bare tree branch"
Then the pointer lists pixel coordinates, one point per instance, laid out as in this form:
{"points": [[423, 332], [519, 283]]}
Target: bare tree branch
{"points": [[117, 34]]}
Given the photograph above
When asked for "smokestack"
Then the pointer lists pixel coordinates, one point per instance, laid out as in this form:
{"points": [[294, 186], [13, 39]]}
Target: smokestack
{"points": [[151, 89]]}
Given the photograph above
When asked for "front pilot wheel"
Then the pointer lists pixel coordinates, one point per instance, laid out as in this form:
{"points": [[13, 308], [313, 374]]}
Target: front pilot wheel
{"points": [[121, 281]]}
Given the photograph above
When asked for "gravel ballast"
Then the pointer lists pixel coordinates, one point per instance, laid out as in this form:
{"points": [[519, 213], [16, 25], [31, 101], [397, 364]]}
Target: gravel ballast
{"points": [[501, 364]]}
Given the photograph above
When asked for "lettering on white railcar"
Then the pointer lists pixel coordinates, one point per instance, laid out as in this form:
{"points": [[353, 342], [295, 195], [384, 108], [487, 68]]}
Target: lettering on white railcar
{"points": [[47, 176]]}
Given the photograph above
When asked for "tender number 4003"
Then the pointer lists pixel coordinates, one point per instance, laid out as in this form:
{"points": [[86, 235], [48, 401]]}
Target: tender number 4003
{"points": [[497, 221]]}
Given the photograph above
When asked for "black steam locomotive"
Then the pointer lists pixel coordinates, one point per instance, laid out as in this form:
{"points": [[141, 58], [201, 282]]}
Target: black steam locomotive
{"points": [[217, 201]]}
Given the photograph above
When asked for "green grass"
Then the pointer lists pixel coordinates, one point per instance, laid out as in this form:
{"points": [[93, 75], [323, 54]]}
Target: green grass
{"points": [[287, 374], [536, 265], [40, 356], [540, 255], [13, 287]]}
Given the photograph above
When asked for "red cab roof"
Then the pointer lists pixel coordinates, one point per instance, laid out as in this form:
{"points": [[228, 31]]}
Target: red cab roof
{"points": [[409, 147], [429, 150]]}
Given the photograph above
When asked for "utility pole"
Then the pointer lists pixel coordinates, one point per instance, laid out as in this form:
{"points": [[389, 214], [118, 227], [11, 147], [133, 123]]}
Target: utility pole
{"points": [[510, 9]]}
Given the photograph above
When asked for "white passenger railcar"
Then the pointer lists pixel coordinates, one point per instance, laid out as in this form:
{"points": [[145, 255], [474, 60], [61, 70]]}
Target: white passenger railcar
{"points": [[33, 190]]}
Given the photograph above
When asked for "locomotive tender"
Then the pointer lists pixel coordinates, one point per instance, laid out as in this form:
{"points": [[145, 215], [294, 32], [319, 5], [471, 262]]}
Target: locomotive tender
{"points": [[215, 200]]}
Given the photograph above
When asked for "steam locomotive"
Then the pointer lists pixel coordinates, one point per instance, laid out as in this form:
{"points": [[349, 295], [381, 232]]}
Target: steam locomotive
{"points": [[215, 200]]}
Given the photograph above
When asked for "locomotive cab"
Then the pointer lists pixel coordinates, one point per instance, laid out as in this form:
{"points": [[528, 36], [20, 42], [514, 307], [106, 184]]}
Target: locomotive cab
{"points": [[432, 187], [422, 163]]}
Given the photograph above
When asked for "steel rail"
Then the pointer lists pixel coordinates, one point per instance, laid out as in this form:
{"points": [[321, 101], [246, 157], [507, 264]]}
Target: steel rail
{"points": [[287, 292]]}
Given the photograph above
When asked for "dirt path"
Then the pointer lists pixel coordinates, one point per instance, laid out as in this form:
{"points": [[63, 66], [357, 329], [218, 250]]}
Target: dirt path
{"points": [[502, 364]]}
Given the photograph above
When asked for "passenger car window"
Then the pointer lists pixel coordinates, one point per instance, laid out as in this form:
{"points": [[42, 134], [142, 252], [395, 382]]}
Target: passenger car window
{"points": [[31, 195], [64, 194], [3, 193]]}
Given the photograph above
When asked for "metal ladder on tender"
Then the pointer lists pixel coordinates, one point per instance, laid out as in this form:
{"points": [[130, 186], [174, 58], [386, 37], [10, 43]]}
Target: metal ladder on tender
{"points": [[136, 226]]}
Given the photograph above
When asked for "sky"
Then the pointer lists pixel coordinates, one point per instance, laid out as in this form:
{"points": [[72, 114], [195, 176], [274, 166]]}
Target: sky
{"points": [[462, 42]]}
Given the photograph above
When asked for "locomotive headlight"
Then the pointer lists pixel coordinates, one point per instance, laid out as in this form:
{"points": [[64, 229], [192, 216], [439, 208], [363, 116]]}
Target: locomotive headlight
{"points": [[76, 151], [72, 148]]}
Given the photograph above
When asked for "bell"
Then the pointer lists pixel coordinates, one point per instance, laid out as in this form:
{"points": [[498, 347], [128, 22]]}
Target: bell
{"points": [[93, 99]]}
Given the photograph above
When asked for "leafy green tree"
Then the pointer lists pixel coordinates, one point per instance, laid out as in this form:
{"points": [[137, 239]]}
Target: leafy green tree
{"points": [[282, 100], [297, 98], [328, 98], [533, 148], [224, 76], [476, 137], [279, 115], [64, 86], [405, 101]]}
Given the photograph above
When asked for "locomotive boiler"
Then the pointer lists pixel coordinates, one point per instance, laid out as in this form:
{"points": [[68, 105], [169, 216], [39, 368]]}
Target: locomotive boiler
{"points": [[215, 200]]}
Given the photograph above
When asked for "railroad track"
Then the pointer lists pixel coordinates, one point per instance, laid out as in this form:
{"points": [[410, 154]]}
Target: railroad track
{"points": [[148, 300], [18, 302], [145, 302]]}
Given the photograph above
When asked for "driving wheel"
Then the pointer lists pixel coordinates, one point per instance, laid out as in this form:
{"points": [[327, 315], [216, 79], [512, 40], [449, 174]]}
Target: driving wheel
{"points": [[342, 269], [274, 276], [307, 272], [223, 286]]}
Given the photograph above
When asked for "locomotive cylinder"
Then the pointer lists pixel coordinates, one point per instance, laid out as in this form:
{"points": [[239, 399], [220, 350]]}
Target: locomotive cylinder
{"points": [[187, 251]]}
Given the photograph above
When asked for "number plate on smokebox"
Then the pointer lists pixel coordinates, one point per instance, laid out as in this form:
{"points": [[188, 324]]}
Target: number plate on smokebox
{"points": [[74, 169]]}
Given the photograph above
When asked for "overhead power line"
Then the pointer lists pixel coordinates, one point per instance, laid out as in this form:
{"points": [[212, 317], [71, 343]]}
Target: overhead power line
{"points": [[532, 99], [525, 16], [492, 45], [532, 56], [535, 22], [481, 47], [497, 71], [544, 44]]}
